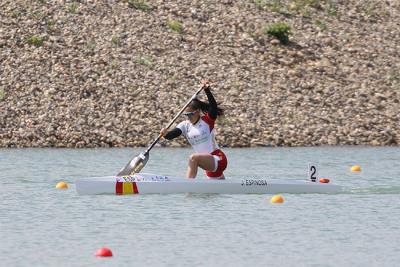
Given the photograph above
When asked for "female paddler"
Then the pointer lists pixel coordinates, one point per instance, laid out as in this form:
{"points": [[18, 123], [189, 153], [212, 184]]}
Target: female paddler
{"points": [[199, 131]]}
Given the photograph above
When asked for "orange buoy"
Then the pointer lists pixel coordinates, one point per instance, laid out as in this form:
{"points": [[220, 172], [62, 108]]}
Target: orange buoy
{"points": [[62, 185], [277, 199], [355, 168], [324, 180], [104, 252]]}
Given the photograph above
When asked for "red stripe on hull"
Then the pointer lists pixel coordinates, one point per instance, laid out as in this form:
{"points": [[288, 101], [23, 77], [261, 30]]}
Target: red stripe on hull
{"points": [[135, 190], [119, 188]]}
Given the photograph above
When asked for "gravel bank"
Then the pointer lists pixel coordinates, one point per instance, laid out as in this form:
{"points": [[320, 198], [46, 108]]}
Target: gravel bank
{"points": [[112, 73]]}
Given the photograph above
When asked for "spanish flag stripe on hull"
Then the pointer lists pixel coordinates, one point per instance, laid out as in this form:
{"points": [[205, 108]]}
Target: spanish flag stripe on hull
{"points": [[126, 188], [135, 190], [118, 188]]}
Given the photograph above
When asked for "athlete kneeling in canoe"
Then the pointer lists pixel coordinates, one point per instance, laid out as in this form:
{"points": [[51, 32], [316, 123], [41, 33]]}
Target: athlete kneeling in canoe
{"points": [[199, 131]]}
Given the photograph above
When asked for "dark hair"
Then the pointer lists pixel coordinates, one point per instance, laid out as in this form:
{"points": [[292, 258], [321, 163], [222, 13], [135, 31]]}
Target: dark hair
{"points": [[197, 104]]}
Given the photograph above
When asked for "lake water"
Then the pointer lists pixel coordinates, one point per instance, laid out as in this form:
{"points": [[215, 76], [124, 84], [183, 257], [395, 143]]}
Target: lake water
{"points": [[42, 226]]}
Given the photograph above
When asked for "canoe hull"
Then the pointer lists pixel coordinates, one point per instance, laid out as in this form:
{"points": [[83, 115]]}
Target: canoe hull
{"points": [[158, 184]]}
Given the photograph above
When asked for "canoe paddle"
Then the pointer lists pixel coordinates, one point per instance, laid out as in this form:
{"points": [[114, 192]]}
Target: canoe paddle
{"points": [[138, 162]]}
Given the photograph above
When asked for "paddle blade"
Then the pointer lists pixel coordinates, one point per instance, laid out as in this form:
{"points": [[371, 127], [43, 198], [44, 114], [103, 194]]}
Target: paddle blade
{"points": [[135, 165]]}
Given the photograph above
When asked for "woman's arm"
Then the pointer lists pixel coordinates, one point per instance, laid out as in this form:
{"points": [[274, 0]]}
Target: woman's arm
{"points": [[213, 110], [173, 134]]}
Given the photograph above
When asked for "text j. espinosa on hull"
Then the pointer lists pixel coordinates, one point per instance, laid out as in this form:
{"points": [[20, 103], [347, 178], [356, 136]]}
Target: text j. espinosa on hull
{"points": [[159, 184]]}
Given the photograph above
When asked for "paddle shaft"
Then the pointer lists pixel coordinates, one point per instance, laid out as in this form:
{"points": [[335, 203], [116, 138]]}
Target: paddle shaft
{"points": [[173, 120]]}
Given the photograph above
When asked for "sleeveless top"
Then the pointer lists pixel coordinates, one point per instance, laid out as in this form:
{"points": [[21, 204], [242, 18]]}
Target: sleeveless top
{"points": [[200, 135]]}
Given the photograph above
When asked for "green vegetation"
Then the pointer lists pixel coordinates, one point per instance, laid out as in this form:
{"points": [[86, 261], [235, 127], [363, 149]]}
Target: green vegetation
{"points": [[306, 13], [369, 10], [311, 3], [37, 15], [172, 79], [373, 9], [280, 30], [91, 45], [50, 24], [73, 8], [303, 7], [115, 64], [260, 4], [275, 6], [320, 25], [16, 14], [143, 60], [2, 94], [116, 40], [394, 76], [35, 40], [332, 9], [175, 26], [139, 5]]}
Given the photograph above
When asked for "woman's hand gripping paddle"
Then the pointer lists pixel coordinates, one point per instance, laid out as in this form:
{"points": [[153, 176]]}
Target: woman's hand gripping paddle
{"points": [[138, 162]]}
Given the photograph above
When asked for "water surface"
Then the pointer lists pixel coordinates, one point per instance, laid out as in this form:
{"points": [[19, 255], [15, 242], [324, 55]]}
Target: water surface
{"points": [[41, 226]]}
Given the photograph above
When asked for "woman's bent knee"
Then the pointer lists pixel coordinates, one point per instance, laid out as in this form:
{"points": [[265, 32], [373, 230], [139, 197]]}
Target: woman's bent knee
{"points": [[193, 158]]}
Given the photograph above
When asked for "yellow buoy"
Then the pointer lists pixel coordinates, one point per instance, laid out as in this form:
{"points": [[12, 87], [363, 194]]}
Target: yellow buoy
{"points": [[277, 199], [355, 168], [62, 185]]}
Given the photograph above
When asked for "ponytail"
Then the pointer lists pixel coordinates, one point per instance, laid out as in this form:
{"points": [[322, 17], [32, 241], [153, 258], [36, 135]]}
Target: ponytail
{"points": [[197, 104]]}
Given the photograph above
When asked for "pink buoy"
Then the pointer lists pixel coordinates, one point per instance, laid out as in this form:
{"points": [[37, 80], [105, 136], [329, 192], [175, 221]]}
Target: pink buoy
{"points": [[104, 252]]}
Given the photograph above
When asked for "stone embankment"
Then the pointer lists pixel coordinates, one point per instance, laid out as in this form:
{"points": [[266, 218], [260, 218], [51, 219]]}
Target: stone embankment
{"points": [[112, 73]]}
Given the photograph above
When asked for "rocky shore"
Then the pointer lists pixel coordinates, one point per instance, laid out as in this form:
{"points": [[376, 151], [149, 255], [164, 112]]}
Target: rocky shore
{"points": [[112, 73]]}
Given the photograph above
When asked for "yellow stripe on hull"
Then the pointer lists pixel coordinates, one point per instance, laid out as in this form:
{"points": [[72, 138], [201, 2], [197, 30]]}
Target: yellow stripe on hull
{"points": [[127, 188]]}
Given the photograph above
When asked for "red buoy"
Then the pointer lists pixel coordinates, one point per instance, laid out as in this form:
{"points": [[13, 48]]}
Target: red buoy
{"points": [[324, 180], [104, 252]]}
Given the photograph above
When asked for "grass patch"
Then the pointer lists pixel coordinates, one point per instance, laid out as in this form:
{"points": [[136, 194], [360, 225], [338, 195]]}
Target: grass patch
{"points": [[116, 40], [144, 61], [175, 26], [115, 64], [35, 40], [394, 76], [332, 9], [16, 14], [73, 8], [37, 15], [320, 25], [375, 9], [274, 6], [51, 25], [280, 30], [91, 45], [260, 4], [139, 5], [312, 3], [303, 5], [2, 94], [306, 13]]}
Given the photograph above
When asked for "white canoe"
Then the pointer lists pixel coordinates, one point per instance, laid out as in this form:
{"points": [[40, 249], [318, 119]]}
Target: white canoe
{"points": [[158, 184]]}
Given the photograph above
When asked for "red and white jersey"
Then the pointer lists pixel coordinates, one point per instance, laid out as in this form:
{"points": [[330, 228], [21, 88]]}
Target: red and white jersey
{"points": [[200, 135]]}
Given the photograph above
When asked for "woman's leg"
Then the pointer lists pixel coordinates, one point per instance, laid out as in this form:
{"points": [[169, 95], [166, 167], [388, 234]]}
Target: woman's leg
{"points": [[202, 160]]}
